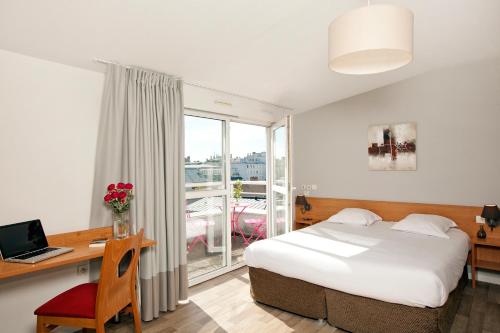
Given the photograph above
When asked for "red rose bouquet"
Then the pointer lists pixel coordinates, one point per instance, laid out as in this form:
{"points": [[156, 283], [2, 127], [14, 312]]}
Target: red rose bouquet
{"points": [[119, 196]]}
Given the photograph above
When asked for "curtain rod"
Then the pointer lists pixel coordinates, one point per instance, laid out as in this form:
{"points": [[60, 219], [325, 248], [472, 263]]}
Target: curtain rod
{"points": [[108, 62], [102, 61]]}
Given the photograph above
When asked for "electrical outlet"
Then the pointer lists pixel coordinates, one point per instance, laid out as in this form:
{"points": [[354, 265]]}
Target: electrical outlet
{"points": [[308, 187], [82, 269], [480, 219], [302, 187]]}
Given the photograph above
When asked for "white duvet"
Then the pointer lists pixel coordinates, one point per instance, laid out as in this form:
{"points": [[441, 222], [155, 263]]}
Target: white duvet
{"points": [[371, 261]]}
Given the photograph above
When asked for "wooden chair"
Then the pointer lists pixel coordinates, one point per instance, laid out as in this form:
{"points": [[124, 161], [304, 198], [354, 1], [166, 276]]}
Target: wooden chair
{"points": [[91, 305]]}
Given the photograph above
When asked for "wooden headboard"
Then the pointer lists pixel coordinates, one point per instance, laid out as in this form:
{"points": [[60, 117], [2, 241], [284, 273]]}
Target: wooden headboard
{"points": [[464, 216]]}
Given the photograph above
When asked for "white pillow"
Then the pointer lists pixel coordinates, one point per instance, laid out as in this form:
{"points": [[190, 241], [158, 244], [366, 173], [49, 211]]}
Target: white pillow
{"points": [[355, 216], [426, 224]]}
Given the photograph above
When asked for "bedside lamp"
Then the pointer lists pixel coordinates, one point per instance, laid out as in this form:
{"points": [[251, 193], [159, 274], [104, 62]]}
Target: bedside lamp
{"points": [[302, 201], [491, 214]]}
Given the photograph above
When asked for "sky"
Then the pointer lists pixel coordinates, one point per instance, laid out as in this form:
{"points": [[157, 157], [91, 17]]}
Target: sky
{"points": [[204, 138]]}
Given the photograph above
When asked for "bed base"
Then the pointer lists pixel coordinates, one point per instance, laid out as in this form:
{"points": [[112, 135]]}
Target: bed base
{"points": [[292, 295], [349, 312]]}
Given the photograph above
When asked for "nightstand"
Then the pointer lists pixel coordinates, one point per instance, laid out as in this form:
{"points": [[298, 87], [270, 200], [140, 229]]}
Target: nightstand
{"points": [[302, 223], [489, 243]]}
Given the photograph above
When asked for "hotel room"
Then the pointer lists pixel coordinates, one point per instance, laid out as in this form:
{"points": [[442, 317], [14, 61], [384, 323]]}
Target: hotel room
{"points": [[250, 166]]}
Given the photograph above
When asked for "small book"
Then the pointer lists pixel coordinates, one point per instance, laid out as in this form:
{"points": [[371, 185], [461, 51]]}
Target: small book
{"points": [[100, 242]]}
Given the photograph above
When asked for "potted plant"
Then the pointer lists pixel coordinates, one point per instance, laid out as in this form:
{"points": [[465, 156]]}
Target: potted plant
{"points": [[118, 199], [237, 190]]}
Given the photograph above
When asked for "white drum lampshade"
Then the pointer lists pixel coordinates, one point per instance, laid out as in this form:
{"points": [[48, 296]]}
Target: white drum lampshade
{"points": [[371, 39]]}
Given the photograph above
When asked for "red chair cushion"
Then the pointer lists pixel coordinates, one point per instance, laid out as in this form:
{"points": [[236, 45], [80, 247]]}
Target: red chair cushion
{"points": [[77, 302]]}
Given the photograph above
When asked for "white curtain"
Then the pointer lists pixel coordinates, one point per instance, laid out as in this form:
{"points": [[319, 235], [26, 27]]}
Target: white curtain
{"points": [[141, 141]]}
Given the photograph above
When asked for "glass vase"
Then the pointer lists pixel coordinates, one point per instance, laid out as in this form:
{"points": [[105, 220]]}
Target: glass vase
{"points": [[121, 225]]}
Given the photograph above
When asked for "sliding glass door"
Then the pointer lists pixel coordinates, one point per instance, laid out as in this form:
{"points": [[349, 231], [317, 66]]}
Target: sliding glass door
{"points": [[248, 211], [236, 193]]}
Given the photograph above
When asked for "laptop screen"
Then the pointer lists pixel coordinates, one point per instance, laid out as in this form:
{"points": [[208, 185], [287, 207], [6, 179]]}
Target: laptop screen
{"points": [[20, 238]]}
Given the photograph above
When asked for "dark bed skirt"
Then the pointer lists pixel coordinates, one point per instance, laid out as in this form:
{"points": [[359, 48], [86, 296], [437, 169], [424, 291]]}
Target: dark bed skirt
{"points": [[349, 312], [292, 295]]}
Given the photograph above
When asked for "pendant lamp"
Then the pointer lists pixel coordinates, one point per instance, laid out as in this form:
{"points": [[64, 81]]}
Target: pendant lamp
{"points": [[371, 39]]}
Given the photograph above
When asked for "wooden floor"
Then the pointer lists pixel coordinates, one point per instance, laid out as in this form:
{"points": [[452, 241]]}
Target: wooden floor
{"points": [[224, 304]]}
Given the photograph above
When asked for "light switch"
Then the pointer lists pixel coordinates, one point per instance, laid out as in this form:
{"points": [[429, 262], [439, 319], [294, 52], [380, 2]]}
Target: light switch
{"points": [[480, 220]]}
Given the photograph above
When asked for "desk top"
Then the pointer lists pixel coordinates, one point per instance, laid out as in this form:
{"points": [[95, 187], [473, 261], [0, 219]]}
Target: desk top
{"points": [[78, 240]]}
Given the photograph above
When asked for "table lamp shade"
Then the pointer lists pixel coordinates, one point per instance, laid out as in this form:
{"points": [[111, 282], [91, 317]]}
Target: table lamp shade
{"points": [[491, 212]]}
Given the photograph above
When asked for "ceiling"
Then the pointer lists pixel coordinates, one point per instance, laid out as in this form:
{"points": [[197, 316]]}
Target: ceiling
{"points": [[272, 50]]}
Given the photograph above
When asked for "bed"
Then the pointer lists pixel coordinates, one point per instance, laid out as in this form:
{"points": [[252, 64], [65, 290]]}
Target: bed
{"points": [[363, 279]]}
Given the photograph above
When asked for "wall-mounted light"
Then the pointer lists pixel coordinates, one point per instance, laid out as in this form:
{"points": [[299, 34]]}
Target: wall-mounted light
{"points": [[491, 214], [302, 201]]}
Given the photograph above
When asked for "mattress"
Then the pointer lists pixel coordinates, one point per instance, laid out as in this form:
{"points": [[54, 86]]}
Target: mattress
{"points": [[374, 261]]}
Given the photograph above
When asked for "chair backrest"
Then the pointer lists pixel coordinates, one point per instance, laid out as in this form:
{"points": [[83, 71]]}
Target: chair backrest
{"points": [[116, 289]]}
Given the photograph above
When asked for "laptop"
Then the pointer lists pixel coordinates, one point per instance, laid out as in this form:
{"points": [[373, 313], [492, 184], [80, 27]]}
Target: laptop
{"points": [[25, 243]]}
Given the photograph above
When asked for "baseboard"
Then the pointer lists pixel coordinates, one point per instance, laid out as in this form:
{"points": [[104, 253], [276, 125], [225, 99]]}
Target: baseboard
{"points": [[486, 276]]}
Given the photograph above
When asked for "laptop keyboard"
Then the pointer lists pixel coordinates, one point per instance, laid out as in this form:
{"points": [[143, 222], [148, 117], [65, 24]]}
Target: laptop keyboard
{"points": [[36, 253]]}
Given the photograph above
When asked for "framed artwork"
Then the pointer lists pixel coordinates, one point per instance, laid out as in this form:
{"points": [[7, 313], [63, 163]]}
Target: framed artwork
{"points": [[392, 147]]}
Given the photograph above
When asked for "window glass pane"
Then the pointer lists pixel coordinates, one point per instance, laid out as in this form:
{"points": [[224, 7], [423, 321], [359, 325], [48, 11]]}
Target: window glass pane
{"points": [[205, 230], [204, 162], [248, 211], [280, 146], [279, 204]]}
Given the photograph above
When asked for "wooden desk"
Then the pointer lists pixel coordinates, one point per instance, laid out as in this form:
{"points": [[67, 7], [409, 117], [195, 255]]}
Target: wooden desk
{"points": [[488, 242], [78, 240]]}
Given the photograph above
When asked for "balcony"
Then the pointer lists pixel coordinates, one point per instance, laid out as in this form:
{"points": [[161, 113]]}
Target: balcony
{"points": [[206, 226]]}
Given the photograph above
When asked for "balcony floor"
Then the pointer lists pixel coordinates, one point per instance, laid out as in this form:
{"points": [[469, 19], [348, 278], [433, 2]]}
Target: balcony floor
{"points": [[201, 262]]}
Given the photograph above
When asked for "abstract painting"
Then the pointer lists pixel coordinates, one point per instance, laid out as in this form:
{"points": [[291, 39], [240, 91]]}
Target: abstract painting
{"points": [[392, 147]]}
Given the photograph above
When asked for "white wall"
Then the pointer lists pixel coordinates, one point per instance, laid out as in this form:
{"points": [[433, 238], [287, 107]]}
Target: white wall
{"points": [[243, 109], [457, 111], [49, 116]]}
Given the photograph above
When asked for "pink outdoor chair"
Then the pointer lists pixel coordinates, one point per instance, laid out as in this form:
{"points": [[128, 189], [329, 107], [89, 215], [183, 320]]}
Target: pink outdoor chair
{"points": [[196, 230], [259, 229]]}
